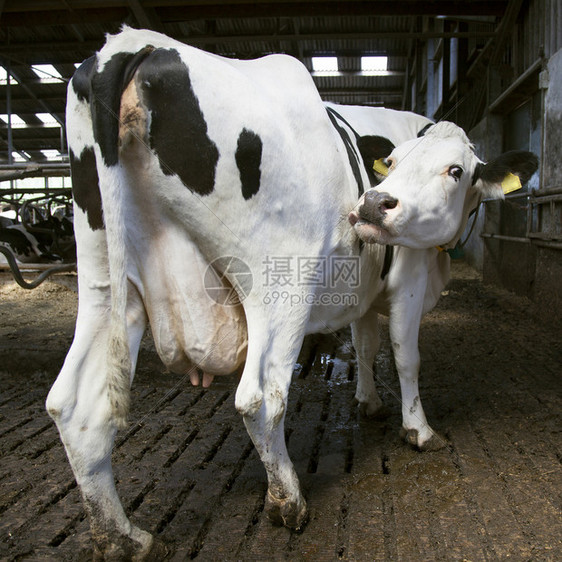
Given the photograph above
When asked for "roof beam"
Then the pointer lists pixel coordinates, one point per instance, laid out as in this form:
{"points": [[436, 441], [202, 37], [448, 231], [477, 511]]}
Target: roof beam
{"points": [[20, 103], [34, 144], [350, 92], [49, 13], [335, 36], [146, 17], [36, 99], [76, 30], [64, 17], [35, 50], [491, 55], [349, 8]]}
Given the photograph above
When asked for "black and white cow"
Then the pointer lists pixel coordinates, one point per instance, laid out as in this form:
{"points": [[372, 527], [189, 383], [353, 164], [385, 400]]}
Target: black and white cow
{"points": [[181, 158], [42, 244]]}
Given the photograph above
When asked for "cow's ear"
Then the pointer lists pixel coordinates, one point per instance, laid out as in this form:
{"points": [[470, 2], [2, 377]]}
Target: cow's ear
{"points": [[506, 173], [373, 148]]}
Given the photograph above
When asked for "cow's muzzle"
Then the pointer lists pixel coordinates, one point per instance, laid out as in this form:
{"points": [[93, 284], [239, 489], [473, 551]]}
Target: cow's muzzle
{"points": [[374, 207], [369, 219]]}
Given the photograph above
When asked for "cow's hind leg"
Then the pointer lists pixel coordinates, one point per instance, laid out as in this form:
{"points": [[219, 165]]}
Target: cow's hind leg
{"points": [[261, 398], [79, 404], [366, 341]]}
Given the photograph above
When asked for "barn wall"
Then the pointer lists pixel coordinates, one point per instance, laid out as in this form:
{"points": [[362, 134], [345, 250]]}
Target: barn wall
{"points": [[517, 244], [548, 287], [487, 139]]}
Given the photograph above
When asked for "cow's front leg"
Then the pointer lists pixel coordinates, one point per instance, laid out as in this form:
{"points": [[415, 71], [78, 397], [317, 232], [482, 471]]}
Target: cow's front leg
{"points": [[405, 318], [284, 504], [261, 398], [366, 341]]}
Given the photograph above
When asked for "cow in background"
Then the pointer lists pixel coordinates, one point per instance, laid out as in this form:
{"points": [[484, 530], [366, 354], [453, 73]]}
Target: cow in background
{"points": [[48, 241]]}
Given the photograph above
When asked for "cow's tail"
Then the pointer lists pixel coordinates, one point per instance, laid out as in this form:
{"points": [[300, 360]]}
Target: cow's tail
{"points": [[107, 87]]}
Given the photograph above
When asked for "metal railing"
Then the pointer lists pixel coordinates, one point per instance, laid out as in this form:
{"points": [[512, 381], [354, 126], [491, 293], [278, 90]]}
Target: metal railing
{"points": [[535, 198]]}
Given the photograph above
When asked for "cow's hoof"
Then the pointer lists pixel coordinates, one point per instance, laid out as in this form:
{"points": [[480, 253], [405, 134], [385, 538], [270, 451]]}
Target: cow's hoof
{"points": [[122, 548], [158, 552], [373, 411], [412, 437], [287, 513]]}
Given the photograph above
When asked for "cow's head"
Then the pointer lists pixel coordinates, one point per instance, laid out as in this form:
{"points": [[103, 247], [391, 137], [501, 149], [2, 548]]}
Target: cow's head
{"points": [[433, 183]]}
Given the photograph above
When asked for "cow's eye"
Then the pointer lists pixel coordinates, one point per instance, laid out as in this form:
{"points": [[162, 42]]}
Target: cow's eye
{"points": [[390, 163], [456, 172]]}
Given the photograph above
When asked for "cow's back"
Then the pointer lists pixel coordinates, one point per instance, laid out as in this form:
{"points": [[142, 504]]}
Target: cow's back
{"points": [[228, 139]]}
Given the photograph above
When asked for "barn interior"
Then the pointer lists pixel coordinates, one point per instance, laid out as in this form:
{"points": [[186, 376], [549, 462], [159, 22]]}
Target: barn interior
{"points": [[489, 66], [490, 370]]}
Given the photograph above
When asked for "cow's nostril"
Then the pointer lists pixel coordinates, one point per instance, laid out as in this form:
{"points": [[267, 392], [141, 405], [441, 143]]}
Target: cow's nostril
{"points": [[388, 203]]}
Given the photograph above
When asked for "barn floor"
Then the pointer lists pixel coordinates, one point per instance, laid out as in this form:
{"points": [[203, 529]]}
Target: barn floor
{"points": [[491, 384]]}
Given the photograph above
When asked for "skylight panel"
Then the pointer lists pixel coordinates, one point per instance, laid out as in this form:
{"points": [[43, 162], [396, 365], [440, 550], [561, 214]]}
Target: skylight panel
{"points": [[47, 73], [47, 119], [4, 77], [374, 64], [325, 65], [17, 157], [17, 121], [51, 154]]}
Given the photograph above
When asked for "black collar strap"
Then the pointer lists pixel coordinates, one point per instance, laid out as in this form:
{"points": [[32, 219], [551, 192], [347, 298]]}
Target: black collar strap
{"points": [[350, 146]]}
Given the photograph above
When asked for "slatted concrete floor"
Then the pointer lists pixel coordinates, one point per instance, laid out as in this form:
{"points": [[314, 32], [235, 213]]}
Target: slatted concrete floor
{"points": [[186, 469]]}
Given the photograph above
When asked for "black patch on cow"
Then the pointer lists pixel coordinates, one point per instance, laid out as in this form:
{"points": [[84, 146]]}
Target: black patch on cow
{"points": [[107, 88], [44, 233], [82, 78], [86, 187], [349, 145], [388, 255], [422, 132], [248, 160], [178, 131], [373, 147], [519, 162], [16, 240]]}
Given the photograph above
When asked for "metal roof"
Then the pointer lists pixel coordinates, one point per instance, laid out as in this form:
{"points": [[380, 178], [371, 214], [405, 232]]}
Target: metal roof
{"points": [[64, 32]]}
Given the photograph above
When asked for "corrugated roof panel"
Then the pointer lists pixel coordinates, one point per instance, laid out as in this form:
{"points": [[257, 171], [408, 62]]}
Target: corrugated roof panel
{"points": [[63, 34]]}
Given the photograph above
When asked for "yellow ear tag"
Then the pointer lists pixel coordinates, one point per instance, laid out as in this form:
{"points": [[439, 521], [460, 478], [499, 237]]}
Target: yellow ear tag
{"points": [[510, 183], [380, 167]]}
